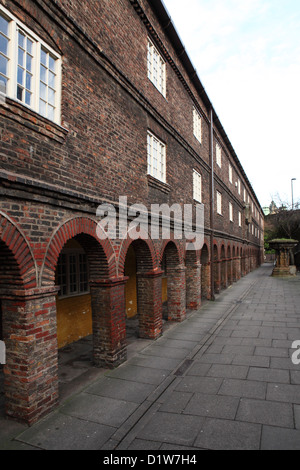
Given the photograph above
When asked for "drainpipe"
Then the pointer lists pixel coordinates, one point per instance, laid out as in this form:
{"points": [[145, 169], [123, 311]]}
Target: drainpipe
{"points": [[212, 205]]}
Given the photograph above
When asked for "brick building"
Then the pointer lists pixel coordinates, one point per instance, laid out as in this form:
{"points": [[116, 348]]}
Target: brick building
{"points": [[100, 100]]}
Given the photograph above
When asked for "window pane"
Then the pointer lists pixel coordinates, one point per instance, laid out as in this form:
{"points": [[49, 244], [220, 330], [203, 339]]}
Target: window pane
{"points": [[43, 109], [21, 40], [43, 74], [4, 25], [3, 82], [3, 45], [28, 81], [44, 57], [19, 93], [51, 114], [51, 96], [29, 46], [52, 63], [3, 65], [20, 75], [43, 92], [51, 80], [21, 57], [29, 63], [28, 98]]}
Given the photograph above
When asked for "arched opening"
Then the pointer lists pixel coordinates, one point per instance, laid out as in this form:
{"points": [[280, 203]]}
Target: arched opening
{"points": [[137, 268], [234, 274], [205, 273]]}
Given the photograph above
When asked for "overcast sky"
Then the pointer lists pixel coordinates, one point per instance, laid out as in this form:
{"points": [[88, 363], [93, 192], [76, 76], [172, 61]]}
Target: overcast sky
{"points": [[247, 55]]}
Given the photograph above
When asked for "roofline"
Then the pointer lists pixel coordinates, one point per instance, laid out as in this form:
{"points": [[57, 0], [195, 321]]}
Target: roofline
{"points": [[167, 24]]}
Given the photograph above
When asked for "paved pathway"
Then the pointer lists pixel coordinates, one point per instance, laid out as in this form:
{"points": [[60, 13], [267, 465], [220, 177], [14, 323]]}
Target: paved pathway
{"points": [[223, 379]]}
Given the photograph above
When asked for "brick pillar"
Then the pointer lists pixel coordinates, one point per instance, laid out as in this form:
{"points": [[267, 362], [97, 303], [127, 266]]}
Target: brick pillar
{"points": [[149, 291], [205, 281], [176, 293], [238, 268], [217, 276], [109, 322], [229, 272], [193, 286], [31, 370], [223, 267]]}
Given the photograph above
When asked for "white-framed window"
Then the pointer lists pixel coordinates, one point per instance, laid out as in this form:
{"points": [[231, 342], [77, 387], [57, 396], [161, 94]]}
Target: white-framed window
{"points": [[230, 212], [240, 219], [219, 203], [197, 125], [197, 185], [219, 155], [239, 186], [244, 195], [156, 68], [72, 273], [230, 174], [156, 157], [30, 70]]}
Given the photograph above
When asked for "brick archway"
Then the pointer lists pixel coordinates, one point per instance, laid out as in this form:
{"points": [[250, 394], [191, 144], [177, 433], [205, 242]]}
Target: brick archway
{"points": [[70, 229], [15, 241]]}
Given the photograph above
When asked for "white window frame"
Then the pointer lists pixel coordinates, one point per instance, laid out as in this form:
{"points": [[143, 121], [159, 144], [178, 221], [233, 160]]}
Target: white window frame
{"points": [[231, 212], [197, 121], [219, 155], [240, 219], [230, 174], [239, 186], [219, 203], [156, 68], [156, 153], [66, 290], [15, 26], [197, 186]]}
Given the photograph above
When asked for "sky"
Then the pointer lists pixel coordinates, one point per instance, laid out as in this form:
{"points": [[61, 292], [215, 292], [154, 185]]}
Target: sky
{"points": [[247, 56]]}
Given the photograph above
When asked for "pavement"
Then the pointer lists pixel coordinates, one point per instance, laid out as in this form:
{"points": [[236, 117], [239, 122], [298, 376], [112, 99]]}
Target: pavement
{"points": [[223, 379]]}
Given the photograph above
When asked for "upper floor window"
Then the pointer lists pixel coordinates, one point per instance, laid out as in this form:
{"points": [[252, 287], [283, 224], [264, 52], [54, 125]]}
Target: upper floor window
{"points": [[230, 212], [30, 71], [219, 155], [219, 203], [156, 158], [197, 125], [156, 68], [230, 174], [197, 185]]}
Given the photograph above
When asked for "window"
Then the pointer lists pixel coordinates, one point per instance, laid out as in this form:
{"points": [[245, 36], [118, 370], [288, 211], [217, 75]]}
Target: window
{"points": [[240, 219], [197, 125], [219, 155], [239, 186], [230, 212], [29, 69], [72, 274], [197, 183], [156, 68], [219, 203], [230, 174], [156, 158]]}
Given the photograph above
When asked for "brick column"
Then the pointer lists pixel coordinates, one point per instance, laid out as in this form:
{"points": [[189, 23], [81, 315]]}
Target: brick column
{"points": [[149, 288], [217, 276], [109, 322], [205, 282], [31, 370], [193, 286], [176, 293]]}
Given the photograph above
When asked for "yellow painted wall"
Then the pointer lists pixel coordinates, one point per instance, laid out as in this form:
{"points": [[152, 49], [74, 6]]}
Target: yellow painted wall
{"points": [[130, 288], [74, 319]]}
